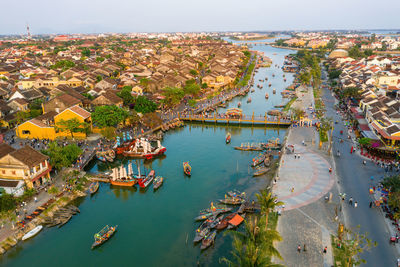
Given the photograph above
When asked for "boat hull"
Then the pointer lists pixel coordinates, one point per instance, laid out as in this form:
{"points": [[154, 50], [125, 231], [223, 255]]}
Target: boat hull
{"points": [[128, 183]]}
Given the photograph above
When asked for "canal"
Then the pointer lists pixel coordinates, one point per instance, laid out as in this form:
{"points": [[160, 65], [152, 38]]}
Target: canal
{"points": [[157, 228]]}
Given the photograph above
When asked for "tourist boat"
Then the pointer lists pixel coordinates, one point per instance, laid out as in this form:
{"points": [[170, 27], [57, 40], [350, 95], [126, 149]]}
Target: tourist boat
{"points": [[143, 149], [249, 100], [93, 187], [274, 91], [248, 147], [258, 160], [232, 201], [123, 144], [187, 169], [32, 232], [239, 104], [120, 177], [224, 222], [208, 240], [228, 138], [104, 234], [157, 182], [236, 221], [261, 171], [266, 96], [269, 85], [143, 183]]}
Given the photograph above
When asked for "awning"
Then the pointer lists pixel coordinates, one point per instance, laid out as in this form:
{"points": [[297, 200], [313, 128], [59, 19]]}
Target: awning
{"points": [[42, 174], [236, 220], [369, 134]]}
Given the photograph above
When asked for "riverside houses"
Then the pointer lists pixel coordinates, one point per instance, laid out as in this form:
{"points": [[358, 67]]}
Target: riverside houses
{"points": [[24, 166]]}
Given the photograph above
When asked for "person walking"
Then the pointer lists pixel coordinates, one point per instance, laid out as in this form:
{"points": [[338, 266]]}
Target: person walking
{"points": [[325, 250], [351, 201], [355, 204], [299, 248], [304, 248]]}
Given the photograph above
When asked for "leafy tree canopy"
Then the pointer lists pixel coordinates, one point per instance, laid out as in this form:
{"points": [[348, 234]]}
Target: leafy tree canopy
{"points": [[104, 116]]}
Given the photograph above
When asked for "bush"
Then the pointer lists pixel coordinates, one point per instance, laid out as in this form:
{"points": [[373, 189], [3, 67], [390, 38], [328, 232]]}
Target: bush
{"points": [[7, 202], [108, 132]]}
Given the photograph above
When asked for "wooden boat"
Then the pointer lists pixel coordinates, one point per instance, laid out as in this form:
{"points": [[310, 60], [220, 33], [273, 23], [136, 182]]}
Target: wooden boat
{"points": [[65, 220], [208, 240], [157, 182], [120, 178], [32, 232], [266, 96], [258, 160], [203, 229], [239, 105], [143, 183], [187, 169], [207, 215], [252, 90], [216, 221], [284, 80], [93, 187], [237, 194], [261, 171], [248, 147], [235, 221], [273, 75], [267, 162], [228, 138], [220, 209], [249, 100], [274, 91], [103, 235], [143, 149], [274, 112], [232, 201], [224, 222], [269, 85]]}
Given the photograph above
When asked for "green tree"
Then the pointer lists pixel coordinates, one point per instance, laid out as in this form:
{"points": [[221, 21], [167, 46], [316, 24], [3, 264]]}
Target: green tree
{"points": [[85, 52], [72, 126], [353, 92], [126, 95], [193, 72], [104, 116], [99, 78], [268, 203], [191, 88], [63, 64], [172, 95], [334, 74], [355, 52], [365, 141], [7, 202], [62, 156], [109, 132], [100, 59], [144, 105]]}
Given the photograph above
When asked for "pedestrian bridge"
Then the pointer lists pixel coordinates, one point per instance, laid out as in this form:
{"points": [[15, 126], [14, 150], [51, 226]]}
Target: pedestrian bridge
{"points": [[244, 119]]}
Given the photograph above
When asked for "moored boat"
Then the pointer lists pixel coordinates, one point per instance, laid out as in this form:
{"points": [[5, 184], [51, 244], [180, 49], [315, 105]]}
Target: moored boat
{"points": [[232, 201], [187, 169], [119, 177], [266, 96], [224, 222], [258, 160], [103, 235], [249, 100], [93, 187], [143, 149], [261, 171], [143, 183], [228, 138], [239, 105], [208, 240], [157, 182], [32, 232], [274, 91], [235, 221], [269, 85]]}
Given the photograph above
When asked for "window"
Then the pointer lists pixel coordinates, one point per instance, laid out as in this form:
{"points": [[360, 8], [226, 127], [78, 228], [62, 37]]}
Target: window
{"points": [[3, 171], [13, 172], [26, 132]]}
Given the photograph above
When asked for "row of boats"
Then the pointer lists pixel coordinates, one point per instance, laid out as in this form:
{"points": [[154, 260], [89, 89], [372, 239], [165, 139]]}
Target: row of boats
{"points": [[216, 219]]}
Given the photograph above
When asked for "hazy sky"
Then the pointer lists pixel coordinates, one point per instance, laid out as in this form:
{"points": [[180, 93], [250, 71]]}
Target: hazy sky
{"points": [[88, 16]]}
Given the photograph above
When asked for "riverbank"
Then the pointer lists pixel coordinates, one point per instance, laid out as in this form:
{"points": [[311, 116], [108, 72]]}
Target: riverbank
{"points": [[290, 48], [252, 38]]}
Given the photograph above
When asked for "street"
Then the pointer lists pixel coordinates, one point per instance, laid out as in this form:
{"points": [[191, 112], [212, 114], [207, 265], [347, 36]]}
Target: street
{"points": [[354, 181]]}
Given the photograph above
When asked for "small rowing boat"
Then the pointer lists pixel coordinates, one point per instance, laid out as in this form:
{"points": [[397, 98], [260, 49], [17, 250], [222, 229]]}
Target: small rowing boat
{"points": [[261, 171], [266, 96], [93, 187], [232, 201], [187, 169], [208, 240], [224, 222], [249, 100], [103, 235], [32, 232], [228, 138], [258, 160], [158, 181], [274, 91]]}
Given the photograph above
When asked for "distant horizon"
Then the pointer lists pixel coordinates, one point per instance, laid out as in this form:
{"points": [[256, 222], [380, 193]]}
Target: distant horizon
{"points": [[122, 16]]}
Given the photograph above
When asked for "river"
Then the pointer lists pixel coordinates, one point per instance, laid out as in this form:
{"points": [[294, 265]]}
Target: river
{"points": [[157, 228]]}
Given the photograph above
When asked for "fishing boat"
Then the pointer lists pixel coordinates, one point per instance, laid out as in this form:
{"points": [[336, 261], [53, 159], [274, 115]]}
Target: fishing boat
{"points": [[239, 105], [228, 138], [261, 171], [266, 96], [208, 240], [235, 221], [103, 235], [216, 221], [249, 100], [32, 232], [143, 149], [224, 222], [232, 201], [120, 177], [187, 169], [258, 160], [93, 187], [157, 182], [143, 183], [274, 91]]}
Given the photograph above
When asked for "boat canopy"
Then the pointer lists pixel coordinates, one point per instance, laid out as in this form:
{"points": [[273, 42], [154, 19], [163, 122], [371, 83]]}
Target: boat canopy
{"points": [[236, 220], [237, 112]]}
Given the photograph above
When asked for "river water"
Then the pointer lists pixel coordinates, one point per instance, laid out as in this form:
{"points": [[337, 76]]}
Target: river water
{"points": [[157, 228]]}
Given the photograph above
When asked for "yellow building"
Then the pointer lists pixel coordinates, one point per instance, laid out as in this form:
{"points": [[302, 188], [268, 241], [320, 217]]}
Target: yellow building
{"points": [[49, 125], [23, 165]]}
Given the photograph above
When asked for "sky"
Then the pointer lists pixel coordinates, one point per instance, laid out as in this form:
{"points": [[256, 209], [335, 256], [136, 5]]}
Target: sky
{"points": [[97, 16]]}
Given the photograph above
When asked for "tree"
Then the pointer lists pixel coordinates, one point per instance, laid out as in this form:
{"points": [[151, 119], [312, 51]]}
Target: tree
{"points": [[151, 120], [100, 59], [353, 92], [144, 105], [255, 246], [85, 52], [62, 156], [21, 116], [108, 132], [126, 95], [99, 78], [191, 88], [334, 74], [353, 246], [355, 52], [298, 113], [268, 203], [7, 202], [172, 95], [204, 85], [365, 141], [193, 72], [72, 126], [104, 116]]}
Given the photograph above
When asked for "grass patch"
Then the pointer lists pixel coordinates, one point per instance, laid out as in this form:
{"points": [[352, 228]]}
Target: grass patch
{"points": [[289, 104]]}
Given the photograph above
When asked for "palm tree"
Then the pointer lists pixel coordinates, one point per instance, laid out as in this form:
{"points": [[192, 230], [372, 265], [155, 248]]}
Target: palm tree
{"points": [[268, 203], [254, 247]]}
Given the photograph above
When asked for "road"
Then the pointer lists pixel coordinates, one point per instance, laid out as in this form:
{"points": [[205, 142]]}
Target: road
{"points": [[354, 180]]}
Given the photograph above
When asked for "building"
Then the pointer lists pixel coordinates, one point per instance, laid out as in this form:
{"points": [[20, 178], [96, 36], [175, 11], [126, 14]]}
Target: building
{"points": [[23, 166]]}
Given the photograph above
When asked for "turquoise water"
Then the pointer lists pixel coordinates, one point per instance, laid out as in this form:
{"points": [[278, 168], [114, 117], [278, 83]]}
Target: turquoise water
{"points": [[157, 228]]}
